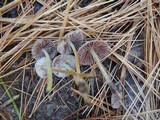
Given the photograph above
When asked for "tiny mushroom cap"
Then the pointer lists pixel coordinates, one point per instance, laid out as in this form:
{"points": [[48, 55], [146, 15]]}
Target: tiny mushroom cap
{"points": [[45, 44], [76, 37], [64, 48], [100, 47], [40, 67], [64, 62]]}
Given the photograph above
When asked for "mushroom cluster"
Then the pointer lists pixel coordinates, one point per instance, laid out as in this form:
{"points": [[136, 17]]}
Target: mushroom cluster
{"points": [[89, 53], [44, 52], [76, 37]]}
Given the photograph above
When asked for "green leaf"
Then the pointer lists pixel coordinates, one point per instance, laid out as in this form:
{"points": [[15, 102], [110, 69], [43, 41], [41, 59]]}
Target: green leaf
{"points": [[10, 97]]}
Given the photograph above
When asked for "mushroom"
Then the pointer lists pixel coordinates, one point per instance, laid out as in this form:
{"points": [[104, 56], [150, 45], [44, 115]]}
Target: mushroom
{"points": [[43, 70], [43, 45], [72, 41], [45, 48], [75, 37], [64, 62], [40, 67], [67, 62], [93, 50], [64, 48]]}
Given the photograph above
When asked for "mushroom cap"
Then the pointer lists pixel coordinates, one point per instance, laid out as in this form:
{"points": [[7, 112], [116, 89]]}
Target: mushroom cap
{"points": [[76, 37], [64, 62], [100, 47], [64, 48], [48, 45], [40, 67]]}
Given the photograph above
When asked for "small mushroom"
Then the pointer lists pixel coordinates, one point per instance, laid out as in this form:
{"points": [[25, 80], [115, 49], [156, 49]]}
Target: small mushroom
{"points": [[74, 40], [43, 45], [75, 37], [64, 48], [67, 62], [64, 62], [93, 50], [45, 48], [40, 67]]}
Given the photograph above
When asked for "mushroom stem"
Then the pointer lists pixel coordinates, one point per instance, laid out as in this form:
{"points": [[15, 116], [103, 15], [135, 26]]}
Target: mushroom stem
{"points": [[78, 80], [102, 69], [73, 73], [106, 76], [49, 71], [67, 66], [100, 65], [76, 56]]}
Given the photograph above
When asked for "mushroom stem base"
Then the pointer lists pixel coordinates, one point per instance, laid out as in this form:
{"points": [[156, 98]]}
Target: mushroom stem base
{"points": [[78, 80], [102, 69], [108, 79]]}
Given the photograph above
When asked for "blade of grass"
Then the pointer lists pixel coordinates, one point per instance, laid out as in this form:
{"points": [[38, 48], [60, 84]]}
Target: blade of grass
{"points": [[10, 97]]}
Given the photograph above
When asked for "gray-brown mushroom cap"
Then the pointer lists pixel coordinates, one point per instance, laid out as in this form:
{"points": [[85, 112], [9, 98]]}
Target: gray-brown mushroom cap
{"points": [[64, 62], [76, 37], [40, 67], [64, 48], [100, 47], [40, 44]]}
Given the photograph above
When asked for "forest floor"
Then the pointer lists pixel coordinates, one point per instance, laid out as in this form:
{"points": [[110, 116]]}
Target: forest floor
{"points": [[129, 27]]}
